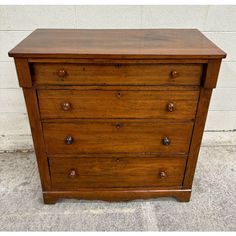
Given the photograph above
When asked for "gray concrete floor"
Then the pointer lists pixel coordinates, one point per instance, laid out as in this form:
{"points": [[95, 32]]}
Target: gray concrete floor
{"points": [[212, 206]]}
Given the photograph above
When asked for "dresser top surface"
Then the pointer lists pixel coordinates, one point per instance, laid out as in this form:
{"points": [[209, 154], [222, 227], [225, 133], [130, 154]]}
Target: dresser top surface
{"points": [[114, 43]]}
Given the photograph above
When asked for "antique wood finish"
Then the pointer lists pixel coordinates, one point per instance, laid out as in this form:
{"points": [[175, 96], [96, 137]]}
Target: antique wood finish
{"points": [[116, 74], [118, 104], [125, 43], [197, 135], [115, 61], [117, 115], [118, 194], [74, 173], [119, 88], [36, 129], [23, 72], [213, 68], [110, 136], [210, 81]]}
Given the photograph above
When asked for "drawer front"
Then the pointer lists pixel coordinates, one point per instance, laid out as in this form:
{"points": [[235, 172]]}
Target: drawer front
{"points": [[118, 104], [116, 74], [74, 172], [117, 136]]}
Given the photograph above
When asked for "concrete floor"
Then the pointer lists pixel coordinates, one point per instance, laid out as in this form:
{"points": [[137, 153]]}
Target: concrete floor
{"points": [[212, 206]]}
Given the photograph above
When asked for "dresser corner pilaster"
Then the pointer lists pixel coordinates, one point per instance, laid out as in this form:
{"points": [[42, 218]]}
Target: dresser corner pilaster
{"points": [[32, 106], [209, 81]]}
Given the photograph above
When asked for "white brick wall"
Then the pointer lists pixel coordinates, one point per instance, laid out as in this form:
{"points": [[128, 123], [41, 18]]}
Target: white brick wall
{"points": [[217, 22]]}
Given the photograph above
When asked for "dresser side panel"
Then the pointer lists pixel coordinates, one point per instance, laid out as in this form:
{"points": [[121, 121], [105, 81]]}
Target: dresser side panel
{"points": [[204, 101], [209, 82], [36, 129]]}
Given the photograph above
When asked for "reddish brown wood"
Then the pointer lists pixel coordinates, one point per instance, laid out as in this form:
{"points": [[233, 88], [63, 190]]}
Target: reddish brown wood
{"points": [[122, 112], [23, 72], [49, 198], [37, 134], [76, 172], [117, 136], [183, 196], [118, 194], [123, 43], [168, 88], [203, 104], [210, 79], [116, 74], [118, 104], [108, 61], [117, 155]]}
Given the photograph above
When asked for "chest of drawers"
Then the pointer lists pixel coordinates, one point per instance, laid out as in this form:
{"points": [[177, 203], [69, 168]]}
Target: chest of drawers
{"points": [[117, 114]]}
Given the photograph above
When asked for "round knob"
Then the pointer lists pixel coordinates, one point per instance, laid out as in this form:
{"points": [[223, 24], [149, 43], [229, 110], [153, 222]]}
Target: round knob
{"points": [[62, 73], [69, 140], [66, 106], [170, 107], [72, 173], [166, 141], [163, 174], [174, 74], [119, 94], [118, 125]]}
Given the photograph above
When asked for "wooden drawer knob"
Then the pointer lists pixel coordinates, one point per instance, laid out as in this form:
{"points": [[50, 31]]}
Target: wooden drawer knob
{"points": [[69, 140], [62, 73], [72, 173], [174, 74], [66, 106], [170, 107], [166, 141], [118, 94], [118, 125], [163, 174]]}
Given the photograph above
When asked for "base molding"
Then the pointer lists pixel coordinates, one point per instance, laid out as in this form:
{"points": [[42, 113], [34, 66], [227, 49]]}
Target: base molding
{"points": [[182, 195]]}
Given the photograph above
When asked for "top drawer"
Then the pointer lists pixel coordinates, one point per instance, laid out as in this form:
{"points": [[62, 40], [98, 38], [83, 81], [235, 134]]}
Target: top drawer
{"points": [[116, 74]]}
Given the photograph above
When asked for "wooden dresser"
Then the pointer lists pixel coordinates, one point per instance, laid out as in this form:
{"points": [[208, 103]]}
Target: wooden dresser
{"points": [[117, 114]]}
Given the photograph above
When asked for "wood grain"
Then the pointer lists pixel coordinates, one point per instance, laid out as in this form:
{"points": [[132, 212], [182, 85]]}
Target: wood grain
{"points": [[198, 130], [210, 79], [116, 74], [118, 104], [117, 114], [114, 43], [116, 172], [211, 76], [117, 136], [115, 61], [37, 134], [23, 72], [118, 194]]}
